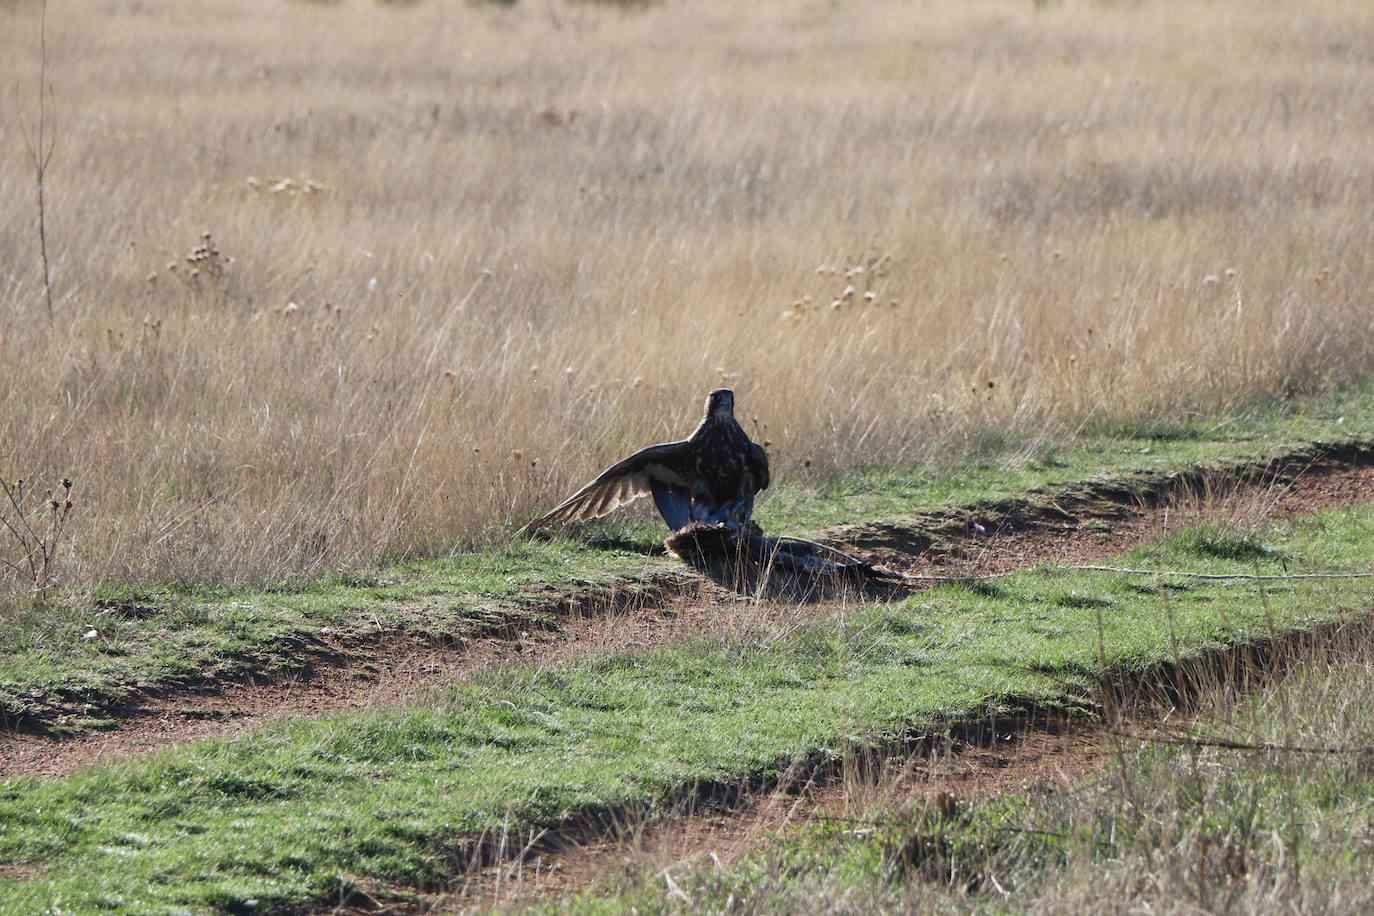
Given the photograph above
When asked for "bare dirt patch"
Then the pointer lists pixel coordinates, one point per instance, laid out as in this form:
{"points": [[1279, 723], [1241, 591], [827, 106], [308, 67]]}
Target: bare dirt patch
{"points": [[12, 872], [397, 669]]}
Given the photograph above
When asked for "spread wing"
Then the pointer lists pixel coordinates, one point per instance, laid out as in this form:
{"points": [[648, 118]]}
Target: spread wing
{"points": [[621, 483]]}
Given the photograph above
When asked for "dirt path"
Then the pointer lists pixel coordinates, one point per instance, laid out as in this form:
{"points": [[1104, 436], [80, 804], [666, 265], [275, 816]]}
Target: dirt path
{"points": [[392, 673]]}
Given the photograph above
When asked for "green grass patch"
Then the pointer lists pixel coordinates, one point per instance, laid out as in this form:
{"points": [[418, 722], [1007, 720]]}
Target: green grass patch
{"points": [[1262, 806], [151, 638], [302, 809]]}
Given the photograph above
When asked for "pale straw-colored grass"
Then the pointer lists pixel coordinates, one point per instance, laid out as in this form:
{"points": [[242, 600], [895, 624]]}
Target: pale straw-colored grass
{"points": [[536, 236]]}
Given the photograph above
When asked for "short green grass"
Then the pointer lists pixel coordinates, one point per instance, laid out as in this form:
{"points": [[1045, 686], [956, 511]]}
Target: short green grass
{"points": [[52, 673], [302, 809], [1279, 821]]}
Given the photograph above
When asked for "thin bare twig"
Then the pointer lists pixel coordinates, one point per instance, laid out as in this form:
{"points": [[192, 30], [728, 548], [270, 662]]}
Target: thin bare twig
{"points": [[1186, 740]]}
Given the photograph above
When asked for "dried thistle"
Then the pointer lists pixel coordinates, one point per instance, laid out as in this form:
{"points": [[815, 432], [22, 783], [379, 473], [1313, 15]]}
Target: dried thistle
{"points": [[33, 530]]}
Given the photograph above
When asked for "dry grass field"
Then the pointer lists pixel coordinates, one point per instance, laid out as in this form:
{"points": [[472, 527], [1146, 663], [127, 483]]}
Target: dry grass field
{"points": [[468, 254]]}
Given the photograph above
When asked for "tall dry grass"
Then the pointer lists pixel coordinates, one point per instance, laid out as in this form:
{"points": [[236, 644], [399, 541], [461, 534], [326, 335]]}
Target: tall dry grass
{"points": [[517, 242]]}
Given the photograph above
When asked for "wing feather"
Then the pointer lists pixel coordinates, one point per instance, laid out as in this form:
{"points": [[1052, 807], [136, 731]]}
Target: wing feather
{"points": [[621, 483], [759, 462]]}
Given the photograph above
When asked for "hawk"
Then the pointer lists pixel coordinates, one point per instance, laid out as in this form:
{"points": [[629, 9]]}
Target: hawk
{"points": [[709, 477]]}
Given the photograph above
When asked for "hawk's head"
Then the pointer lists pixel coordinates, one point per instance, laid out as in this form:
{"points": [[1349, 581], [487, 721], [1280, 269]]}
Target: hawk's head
{"points": [[720, 403]]}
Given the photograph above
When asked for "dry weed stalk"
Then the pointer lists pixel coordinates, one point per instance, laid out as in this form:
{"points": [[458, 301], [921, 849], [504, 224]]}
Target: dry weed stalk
{"points": [[40, 142], [34, 527]]}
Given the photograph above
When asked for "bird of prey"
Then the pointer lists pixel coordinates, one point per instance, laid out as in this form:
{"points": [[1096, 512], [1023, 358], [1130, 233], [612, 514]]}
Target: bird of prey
{"points": [[709, 477]]}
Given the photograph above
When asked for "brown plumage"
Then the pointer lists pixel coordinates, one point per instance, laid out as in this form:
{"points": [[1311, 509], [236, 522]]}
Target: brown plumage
{"points": [[711, 476]]}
